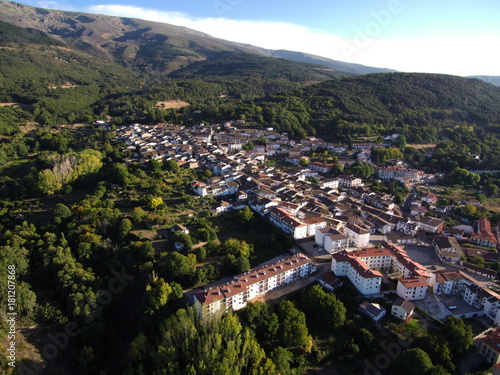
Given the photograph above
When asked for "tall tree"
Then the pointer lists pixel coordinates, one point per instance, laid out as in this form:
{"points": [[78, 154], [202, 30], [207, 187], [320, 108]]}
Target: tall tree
{"points": [[293, 330], [458, 334]]}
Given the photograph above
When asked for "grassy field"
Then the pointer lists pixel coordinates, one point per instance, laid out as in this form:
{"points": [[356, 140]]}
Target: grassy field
{"points": [[167, 104], [16, 168]]}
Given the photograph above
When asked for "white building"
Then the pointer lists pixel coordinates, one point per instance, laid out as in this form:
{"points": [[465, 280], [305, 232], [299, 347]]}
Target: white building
{"points": [[322, 233], [489, 348], [412, 289], [395, 172], [484, 299], [447, 248], [363, 268], [358, 236], [288, 223], [313, 224], [376, 259], [336, 242], [402, 309], [252, 284], [447, 282], [373, 310], [332, 183], [364, 279], [350, 181]]}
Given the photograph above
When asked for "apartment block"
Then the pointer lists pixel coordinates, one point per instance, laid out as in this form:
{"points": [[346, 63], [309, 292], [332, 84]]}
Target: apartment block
{"points": [[235, 295]]}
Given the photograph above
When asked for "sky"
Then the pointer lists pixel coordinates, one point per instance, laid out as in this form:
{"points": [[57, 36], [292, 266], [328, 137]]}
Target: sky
{"points": [[460, 37]]}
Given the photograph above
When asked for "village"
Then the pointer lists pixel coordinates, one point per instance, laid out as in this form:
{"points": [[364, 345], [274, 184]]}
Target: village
{"points": [[381, 247]]}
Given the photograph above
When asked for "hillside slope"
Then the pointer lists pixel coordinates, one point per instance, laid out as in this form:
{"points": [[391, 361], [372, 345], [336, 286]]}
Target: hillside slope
{"points": [[354, 69], [418, 104], [147, 46]]}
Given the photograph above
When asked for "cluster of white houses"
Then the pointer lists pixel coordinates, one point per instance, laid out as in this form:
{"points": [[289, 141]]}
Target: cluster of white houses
{"points": [[235, 295], [241, 178], [400, 173], [336, 220], [363, 268]]}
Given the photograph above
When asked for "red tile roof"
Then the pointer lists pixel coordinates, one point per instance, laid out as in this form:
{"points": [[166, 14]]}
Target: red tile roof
{"points": [[372, 252], [413, 282], [493, 340], [241, 282]]}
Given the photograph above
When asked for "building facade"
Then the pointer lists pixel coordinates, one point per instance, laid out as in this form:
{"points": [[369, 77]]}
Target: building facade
{"points": [[252, 284]]}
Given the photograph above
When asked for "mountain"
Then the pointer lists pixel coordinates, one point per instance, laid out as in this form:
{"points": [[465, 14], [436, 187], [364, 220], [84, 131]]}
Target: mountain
{"points": [[415, 104], [494, 80], [334, 64], [147, 46]]}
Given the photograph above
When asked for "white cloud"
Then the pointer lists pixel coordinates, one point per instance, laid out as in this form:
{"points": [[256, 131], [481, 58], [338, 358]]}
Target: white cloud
{"points": [[460, 57], [51, 4]]}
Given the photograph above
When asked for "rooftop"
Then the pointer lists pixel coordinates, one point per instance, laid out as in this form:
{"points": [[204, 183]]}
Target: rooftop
{"points": [[405, 304]]}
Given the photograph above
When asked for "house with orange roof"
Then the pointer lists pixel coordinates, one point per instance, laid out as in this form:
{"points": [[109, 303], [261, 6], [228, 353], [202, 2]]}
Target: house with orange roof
{"points": [[364, 279], [235, 294], [412, 289], [489, 347]]}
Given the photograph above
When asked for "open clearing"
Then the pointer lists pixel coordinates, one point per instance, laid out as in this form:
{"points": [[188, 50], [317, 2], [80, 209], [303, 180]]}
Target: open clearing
{"points": [[167, 104], [66, 85], [16, 105], [425, 146]]}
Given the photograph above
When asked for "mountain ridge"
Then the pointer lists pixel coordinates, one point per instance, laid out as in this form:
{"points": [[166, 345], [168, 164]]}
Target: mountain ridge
{"points": [[128, 39]]}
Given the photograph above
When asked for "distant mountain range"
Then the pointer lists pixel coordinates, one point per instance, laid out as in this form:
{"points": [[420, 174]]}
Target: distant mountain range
{"points": [[494, 80], [151, 46], [161, 48], [334, 64]]}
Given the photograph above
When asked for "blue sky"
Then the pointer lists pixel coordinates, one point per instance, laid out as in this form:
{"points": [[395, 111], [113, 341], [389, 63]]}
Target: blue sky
{"points": [[459, 37]]}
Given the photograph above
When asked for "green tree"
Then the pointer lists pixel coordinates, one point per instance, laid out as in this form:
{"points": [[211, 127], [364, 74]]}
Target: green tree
{"points": [[282, 358], [158, 293], [491, 189], [237, 247], [413, 362], [458, 334], [246, 215], [178, 265], [293, 329], [362, 170], [324, 307], [48, 183], [470, 210], [138, 215], [401, 141], [61, 213], [438, 349], [124, 228], [481, 198], [303, 162], [26, 298], [154, 202], [155, 166], [171, 165], [220, 345], [438, 370], [184, 239]]}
